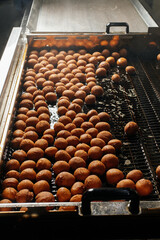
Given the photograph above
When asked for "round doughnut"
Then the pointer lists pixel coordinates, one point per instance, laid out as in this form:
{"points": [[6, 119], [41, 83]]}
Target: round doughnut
{"points": [[92, 181]]}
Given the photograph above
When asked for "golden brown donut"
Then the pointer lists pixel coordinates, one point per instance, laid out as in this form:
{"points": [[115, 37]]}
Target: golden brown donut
{"points": [[77, 188], [61, 143], [25, 184], [122, 62], [97, 91], [62, 155], [65, 179], [44, 174], [144, 187], [81, 173], [5, 208], [63, 194], [131, 128], [58, 126], [97, 167], [105, 136], [9, 193], [76, 198], [81, 153], [26, 144], [12, 174], [32, 135], [20, 155], [90, 99], [92, 181], [24, 195], [76, 162], [41, 186], [94, 119], [35, 153], [114, 175], [28, 173], [102, 126], [97, 142], [87, 125], [45, 196], [43, 163], [95, 153], [130, 70], [71, 150], [108, 149], [41, 143], [116, 143], [135, 175], [12, 164], [126, 183], [65, 120], [72, 140], [41, 126], [50, 152], [78, 121], [75, 107], [60, 166], [104, 117], [10, 182], [85, 138], [49, 138], [77, 132], [110, 161], [63, 133]]}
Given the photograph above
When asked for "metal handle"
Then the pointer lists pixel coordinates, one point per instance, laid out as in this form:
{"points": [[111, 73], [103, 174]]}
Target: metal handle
{"points": [[117, 24], [106, 194]]}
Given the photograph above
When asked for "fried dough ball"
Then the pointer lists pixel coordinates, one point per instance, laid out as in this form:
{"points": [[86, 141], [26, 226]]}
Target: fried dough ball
{"points": [[62, 110], [65, 120], [91, 113], [71, 150], [51, 97], [12, 164], [158, 171], [105, 136], [23, 110], [45, 196], [62, 155], [44, 174], [42, 109], [43, 163], [130, 70], [92, 132], [82, 115], [5, 208], [65, 179], [102, 126], [110, 161], [97, 91], [32, 135], [78, 121], [94, 119], [63, 133], [41, 186], [85, 138], [108, 149], [80, 94], [82, 154], [49, 138], [24, 195], [60, 166], [116, 78], [41, 143], [9, 193], [61, 143], [77, 188], [83, 146], [68, 93], [76, 198], [27, 164], [90, 99], [101, 72], [135, 175], [26, 144], [63, 102], [28, 173], [144, 187], [116, 143], [97, 167], [97, 142], [75, 107], [92, 181], [25, 184], [87, 125], [95, 153], [70, 126], [50, 152], [35, 153], [22, 117], [12, 174], [104, 117], [49, 131], [77, 132], [41, 126], [58, 126], [131, 128], [18, 133], [113, 176], [126, 183], [122, 62], [10, 182], [76, 162], [63, 194], [81, 173], [72, 140], [20, 155], [20, 124]]}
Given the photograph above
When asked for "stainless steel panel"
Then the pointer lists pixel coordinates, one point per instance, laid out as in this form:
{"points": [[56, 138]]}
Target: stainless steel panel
{"points": [[87, 16]]}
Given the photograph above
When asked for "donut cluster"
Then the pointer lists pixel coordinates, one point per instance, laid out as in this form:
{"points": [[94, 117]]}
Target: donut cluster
{"points": [[79, 149]]}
